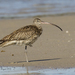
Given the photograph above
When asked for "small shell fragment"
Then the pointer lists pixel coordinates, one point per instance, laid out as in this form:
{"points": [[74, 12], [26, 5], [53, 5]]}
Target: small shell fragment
{"points": [[67, 31], [12, 54], [2, 51]]}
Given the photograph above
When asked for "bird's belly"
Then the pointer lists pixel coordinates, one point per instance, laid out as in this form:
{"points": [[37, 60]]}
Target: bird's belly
{"points": [[27, 42], [19, 42]]}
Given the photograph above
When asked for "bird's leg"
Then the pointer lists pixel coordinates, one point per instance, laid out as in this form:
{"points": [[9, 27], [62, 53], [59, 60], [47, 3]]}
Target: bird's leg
{"points": [[26, 53]]}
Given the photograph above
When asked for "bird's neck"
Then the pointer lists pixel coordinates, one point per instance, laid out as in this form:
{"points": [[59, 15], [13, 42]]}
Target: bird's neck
{"points": [[38, 26]]}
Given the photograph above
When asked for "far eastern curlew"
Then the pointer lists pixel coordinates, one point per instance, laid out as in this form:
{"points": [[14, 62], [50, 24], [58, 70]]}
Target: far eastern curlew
{"points": [[26, 35]]}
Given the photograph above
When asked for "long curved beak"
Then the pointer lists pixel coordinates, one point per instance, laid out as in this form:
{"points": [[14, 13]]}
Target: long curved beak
{"points": [[42, 22]]}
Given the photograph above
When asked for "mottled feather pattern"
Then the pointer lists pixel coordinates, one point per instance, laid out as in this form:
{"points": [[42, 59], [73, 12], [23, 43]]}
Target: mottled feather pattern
{"points": [[26, 35], [23, 33]]}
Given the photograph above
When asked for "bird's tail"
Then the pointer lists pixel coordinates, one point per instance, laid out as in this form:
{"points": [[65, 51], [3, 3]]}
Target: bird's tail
{"points": [[2, 43], [6, 43]]}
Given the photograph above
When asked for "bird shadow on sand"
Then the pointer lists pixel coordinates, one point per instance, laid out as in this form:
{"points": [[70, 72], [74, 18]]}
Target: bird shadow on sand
{"points": [[38, 60]]}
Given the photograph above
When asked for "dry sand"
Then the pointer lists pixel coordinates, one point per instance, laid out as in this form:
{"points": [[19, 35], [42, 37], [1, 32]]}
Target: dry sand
{"points": [[54, 48]]}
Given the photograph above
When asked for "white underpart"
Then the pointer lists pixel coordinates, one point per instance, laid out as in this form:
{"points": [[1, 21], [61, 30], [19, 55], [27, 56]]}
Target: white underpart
{"points": [[20, 42], [10, 42]]}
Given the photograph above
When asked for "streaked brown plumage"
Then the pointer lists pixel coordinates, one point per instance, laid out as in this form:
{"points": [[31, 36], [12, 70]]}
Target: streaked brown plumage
{"points": [[26, 35]]}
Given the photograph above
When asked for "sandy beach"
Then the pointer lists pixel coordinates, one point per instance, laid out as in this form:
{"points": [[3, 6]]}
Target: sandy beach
{"points": [[53, 49]]}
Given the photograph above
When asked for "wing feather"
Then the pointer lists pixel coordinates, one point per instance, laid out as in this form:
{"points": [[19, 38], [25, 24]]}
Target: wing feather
{"points": [[22, 33]]}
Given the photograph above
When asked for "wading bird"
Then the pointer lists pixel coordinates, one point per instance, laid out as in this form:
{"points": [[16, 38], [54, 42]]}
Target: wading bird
{"points": [[26, 35]]}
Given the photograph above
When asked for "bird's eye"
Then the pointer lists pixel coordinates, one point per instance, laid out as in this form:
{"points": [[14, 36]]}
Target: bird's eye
{"points": [[38, 20]]}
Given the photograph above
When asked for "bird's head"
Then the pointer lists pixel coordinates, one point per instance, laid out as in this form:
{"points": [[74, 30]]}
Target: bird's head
{"points": [[37, 21]]}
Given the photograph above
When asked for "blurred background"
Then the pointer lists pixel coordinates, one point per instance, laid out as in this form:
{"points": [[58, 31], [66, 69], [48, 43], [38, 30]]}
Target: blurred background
{"points": [[31, 8]]}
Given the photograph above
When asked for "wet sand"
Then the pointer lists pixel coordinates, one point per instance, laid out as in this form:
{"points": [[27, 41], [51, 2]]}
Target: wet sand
{"points": [[53, 49]]}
